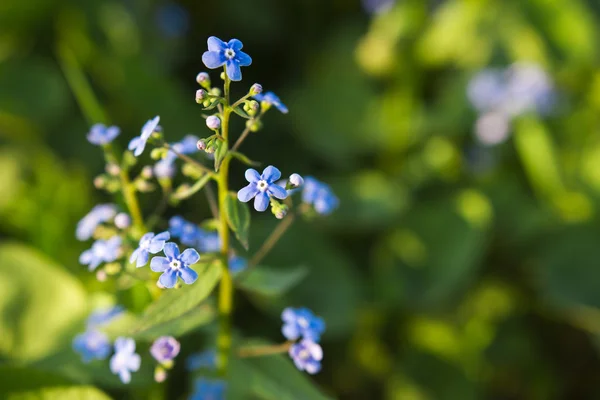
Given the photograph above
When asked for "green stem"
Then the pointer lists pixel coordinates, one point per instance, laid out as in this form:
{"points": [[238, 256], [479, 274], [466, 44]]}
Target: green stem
{"points": [[226, 285], [271, 240], [259, 351]]}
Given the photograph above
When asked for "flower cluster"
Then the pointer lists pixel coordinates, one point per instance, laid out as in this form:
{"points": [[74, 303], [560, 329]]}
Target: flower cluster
{"points": [[500, 95], [191, 234], [302, 324]]}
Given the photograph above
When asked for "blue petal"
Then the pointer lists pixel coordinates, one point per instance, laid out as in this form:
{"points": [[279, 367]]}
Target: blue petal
{"points": [[171, 250], [164, 236], [86, 257], [168, 278], [146, 237], [246, 194], [277, 191], [243, 59], [216, 44], [133, 143], [261, 202], [312, 367], [125, 375], [156, 245], [213, 59], [281, 107], [289, 315], [188, 275], [290, 331], [252, 175], [159, 264], [235, 44], [112, 133], [234, 71], [142, 258], [189, 256], [271, 174]]}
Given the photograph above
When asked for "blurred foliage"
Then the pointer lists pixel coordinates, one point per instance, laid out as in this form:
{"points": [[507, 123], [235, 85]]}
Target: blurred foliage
{"points": [[450, 271]]}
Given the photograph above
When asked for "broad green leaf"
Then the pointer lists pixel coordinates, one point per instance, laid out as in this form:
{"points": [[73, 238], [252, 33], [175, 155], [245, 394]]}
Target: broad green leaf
{"points": [[238, 218], [188, 322], [270, 281], [35, 293], [180, 309]]}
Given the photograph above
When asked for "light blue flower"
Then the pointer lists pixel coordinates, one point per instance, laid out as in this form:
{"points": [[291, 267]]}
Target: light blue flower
{"points": [[319, 195], [528, 89], [101, 251], [487, 90], [103, 316], [125, 360], [186, 231], [229, 54], [206, 359], [307, 356], [100, 134], [237, 264], [98, 215], [271, 99], [208, 242], [165, 349], [175, 265], [149, 243], [205, 389], [165, 168], [262, 187], [138, 143], [301, 323], [92, 345]]}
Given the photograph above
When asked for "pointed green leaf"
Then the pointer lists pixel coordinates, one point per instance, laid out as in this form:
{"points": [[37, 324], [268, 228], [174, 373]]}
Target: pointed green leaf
{"points": [[238, 218], [220, 153], [268, 281], [239, 111], [243, 158]]}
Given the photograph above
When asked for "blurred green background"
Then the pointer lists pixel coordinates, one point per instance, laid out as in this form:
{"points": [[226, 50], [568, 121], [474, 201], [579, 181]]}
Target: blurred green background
{"points": [[451, 270]]}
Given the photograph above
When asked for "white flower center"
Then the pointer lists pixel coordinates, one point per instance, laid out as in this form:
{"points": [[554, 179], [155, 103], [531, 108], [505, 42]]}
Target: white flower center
{"points": [[145, 244], [175, 264], [304, 354], [229, 53], [262, 185], [303, 322]]}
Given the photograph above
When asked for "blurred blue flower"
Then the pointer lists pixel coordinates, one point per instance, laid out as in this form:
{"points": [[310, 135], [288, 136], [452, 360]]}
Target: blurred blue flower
{"points": [[377, 6], [138, 143], [487, 90], [229, 54], [173, 20], [165, 168], [98, 215], [262, 187], [208, 242], [149, 243], [165, 349], [100, 134], [307, 356], [92, 345], [100, 252], [319, 195], [301, 322], [237, 264], [270, 99], [175, 265], [191, 234], [205, 389], [206, 359], [125, 360], [528, 89], [101, 317]]}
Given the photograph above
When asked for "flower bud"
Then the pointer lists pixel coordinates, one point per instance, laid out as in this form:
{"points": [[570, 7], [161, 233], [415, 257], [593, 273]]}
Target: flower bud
{"points": [[201, 95], [215, 91], [251, 107], [210, 150], [222, 75], [203, 79], [201, 144], [101, 275], [280, 213], [254, 125], [147, 172], [122, 221], [296, 180], [213, 122], [255, 89], [99, 182], [113, 169], [160, 375]]}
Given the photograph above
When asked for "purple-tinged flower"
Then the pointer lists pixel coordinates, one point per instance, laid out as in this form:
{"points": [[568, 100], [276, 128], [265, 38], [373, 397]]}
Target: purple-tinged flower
{"points": [[213, 122], [138, 143], [100, 134], [262, 187], [206, 359], [125, 360], [237, 264], [229, 54], [175, 265], [296, 180], [100, 252], [103, 316], [122, 221], [270, 99], [301, 322], [92, 345], [319, 195], [307, 356], [165, 349], [256, 89], [98, 215], [492, 128], [205, 389], [149, 243], [203, 78], [378, 6]]}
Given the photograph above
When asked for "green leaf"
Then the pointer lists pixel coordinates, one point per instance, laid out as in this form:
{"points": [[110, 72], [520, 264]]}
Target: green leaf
{"points": [[220, 153], [60, 393], [243, 158], [179, 309], [200, 183], [239, 111], [34, 291], [269, 281], [238, 218]]}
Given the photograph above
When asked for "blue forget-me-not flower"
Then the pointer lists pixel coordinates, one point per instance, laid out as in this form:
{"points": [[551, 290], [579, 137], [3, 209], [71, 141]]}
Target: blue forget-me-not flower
{"points": [[237, 264], [175, 265], [149, 243], [138, 143], [192, 235], [98, 215], [271, 99], [101, 251], [205, 359], [103, 316], [307, 356], [165, 349], [229, 54], [301, 323], [319, 195], [165, 168], [262, 187], [100, 134], [92, 345], [205, 389], [125, 360]]}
